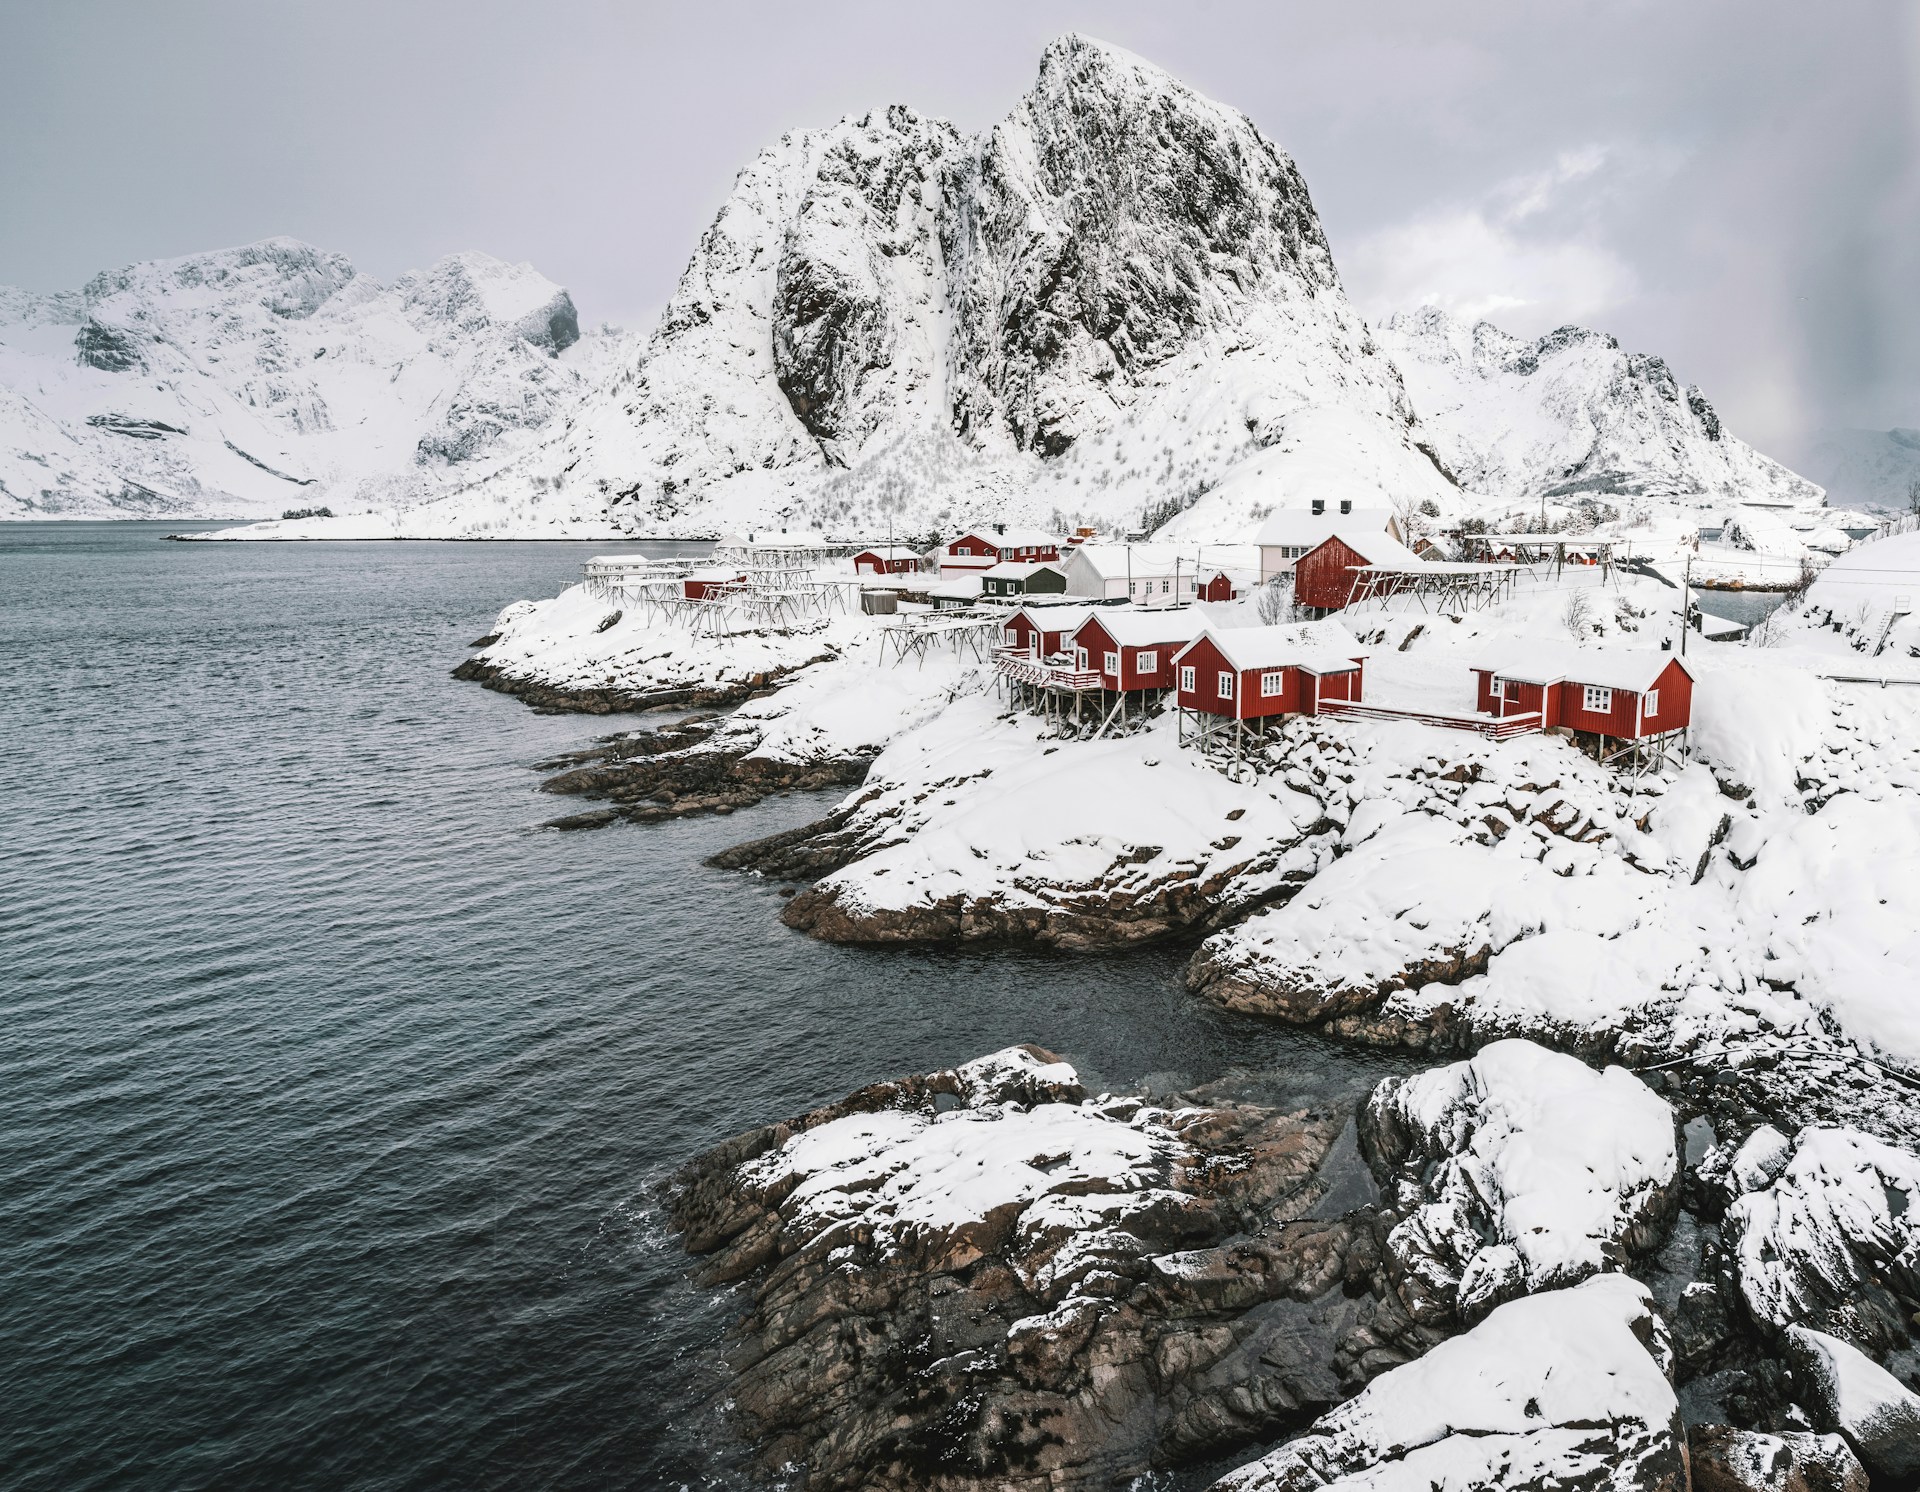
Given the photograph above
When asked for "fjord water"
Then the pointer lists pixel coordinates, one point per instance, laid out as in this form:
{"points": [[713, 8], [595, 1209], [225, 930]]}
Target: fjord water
{"points": [[335, 1094]]}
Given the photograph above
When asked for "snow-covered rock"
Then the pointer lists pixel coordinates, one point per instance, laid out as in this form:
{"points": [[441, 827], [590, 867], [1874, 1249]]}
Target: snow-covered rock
{"points": [[1563, 1389], [1570, 415], [273, 376], [984, 1278], [1828, 1236], [1723, 1459], [1518, 1170], [1849, 1392]]}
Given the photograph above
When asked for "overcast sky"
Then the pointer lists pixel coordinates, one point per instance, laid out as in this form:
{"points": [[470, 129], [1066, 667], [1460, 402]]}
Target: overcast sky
{"points": [[1731, 185]]}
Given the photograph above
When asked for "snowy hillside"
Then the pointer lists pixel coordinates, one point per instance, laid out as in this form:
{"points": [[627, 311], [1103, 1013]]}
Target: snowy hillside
{"points": [[1116, 303], [252, 380], [1571, 415]]}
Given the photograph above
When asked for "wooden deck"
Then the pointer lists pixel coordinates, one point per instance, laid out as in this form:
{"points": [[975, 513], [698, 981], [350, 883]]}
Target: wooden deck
{"points": [[1493, 727]]}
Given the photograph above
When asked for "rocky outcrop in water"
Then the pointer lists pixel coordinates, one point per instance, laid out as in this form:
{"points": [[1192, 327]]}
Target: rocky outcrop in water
{"points": [[984, 1277], [678, 771]]}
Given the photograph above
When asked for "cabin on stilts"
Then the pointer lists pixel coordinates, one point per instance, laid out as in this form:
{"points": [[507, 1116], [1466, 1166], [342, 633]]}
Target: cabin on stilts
{"points": [[1231, 681], [1622, 702]]}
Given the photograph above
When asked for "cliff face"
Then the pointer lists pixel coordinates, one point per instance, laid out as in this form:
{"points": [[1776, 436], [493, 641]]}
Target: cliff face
{"points": [[1571, 414], [248, 380]]}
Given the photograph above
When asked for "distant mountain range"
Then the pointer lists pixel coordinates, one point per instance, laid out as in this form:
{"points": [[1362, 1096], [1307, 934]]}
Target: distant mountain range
{"points": [[1116, 306], [1866, 468]]}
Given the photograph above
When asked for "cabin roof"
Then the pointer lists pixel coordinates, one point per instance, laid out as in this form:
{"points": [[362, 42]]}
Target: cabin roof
{"points": [[1059, 618], [1019, 569], [1297, 526], [1543, 662], [1145, 627], [1317, 647], [889, 551], [1380, 549]]}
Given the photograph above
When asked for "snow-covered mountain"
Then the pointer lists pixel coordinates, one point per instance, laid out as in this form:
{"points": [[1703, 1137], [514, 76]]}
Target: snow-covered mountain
{"points": [[250, 380], [1571, 415], [1866, 468], [1117, 304]]}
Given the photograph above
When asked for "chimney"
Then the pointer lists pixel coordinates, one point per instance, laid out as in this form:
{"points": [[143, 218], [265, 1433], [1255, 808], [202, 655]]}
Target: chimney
{"points": [[1319, 506], [1346, 505], [999, 528]]}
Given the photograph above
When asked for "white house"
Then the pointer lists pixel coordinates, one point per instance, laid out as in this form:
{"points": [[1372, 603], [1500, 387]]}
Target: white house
{"points": [[1145, 574], [1291, 532]]}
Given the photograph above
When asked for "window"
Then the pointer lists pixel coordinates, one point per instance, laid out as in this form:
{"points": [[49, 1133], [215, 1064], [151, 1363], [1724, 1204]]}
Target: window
{"points": [[1165, 586], [1273, 683], [1186, 679], [1512, 688], [1080, 659], [1652, 703], [1113, 664], [1596, 700], [1147, 662], [1226, 685], [1133, 587]]}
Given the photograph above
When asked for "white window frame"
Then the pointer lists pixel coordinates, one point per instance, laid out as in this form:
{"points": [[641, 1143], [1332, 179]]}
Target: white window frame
{"points": [[1596, 699], [1080, 659], [1186, 678], [1223, 686], [1147, 662], [1112, 661], [1650, 702], [1273, 683]]}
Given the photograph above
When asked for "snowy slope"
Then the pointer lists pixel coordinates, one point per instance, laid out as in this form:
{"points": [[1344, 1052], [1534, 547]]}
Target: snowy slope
{"points": [[1116, 303], [1572, 415], [251, 380]]}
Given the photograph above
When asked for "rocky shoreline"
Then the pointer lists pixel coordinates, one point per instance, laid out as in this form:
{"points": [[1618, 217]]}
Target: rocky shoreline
{"points": [[987, 1277]]}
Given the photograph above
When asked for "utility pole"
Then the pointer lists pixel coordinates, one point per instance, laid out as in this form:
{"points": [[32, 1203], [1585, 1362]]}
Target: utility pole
{"points": [[1686, 603]]}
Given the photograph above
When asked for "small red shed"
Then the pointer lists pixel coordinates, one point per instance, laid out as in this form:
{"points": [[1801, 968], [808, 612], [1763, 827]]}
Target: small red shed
{"points": [[697, 585], [1219, 587], [1043, 631], [1627, 693], [1249, 673], [886, 559], [1324, 577], [1133, 648]]}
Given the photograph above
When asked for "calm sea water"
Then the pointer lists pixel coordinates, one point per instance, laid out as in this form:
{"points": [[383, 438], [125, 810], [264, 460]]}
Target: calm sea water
{"points": [[333, 1093]]}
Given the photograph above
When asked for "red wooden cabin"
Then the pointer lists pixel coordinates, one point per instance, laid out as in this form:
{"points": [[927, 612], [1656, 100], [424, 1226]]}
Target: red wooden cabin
{"points": [[1219, 588], [982, 548], [1133, 649], [1626, 693], [887, 559], [1043, 631], [698, 584], [1250, 673], [1324, 577]]}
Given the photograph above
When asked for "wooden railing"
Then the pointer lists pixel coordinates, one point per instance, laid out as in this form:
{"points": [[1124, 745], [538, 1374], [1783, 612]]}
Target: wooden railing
{"points": [[1024, 668], [1493, 727]]}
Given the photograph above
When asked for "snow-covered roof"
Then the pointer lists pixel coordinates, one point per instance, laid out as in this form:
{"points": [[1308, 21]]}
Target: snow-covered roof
{"points": [[959, 588], [1303, 526], [1317, 647], [1379, 549], [625, 561], [1139, 561], [714, 572], [1009, 536], [888, 552], [1019, 569], [1145, 627], [1541, 662], [1884, 574], [1059, 618]]}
